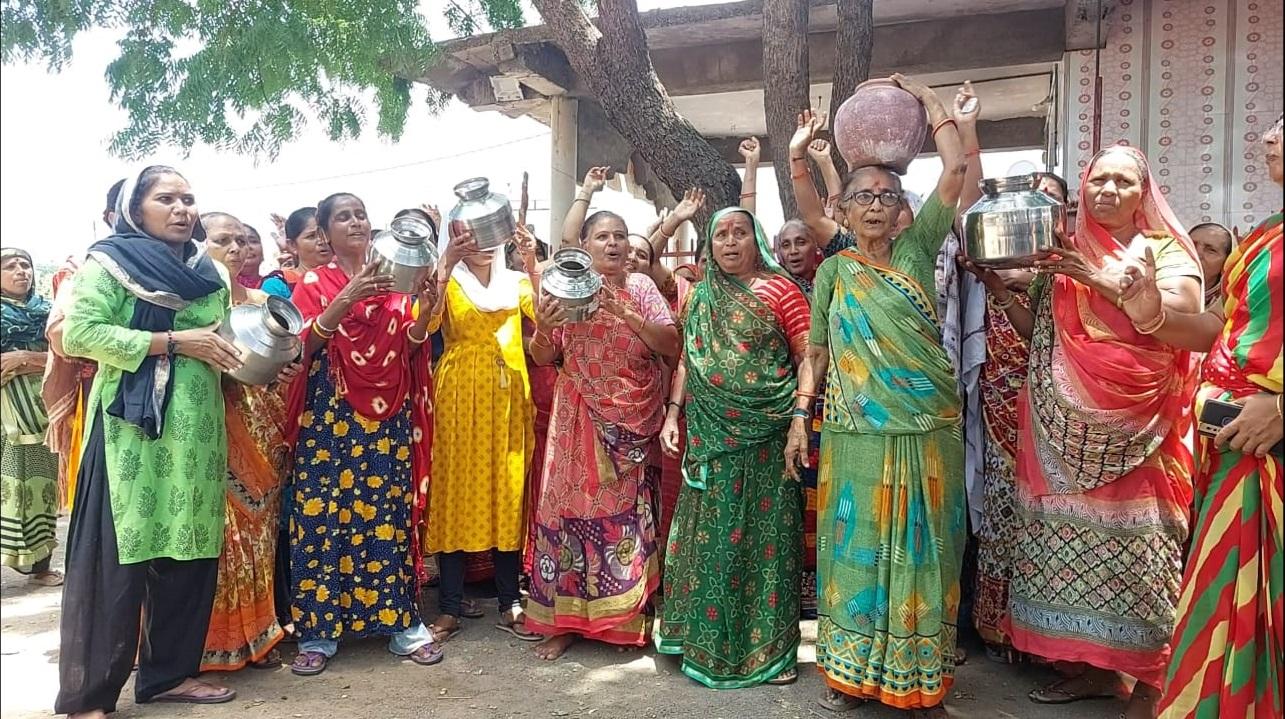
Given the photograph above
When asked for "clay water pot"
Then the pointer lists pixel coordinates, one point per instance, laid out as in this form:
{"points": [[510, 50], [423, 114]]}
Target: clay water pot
{"points": [[881, 124]]}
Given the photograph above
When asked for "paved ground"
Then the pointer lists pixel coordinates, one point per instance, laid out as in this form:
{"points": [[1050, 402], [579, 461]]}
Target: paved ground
{"points": [[488, 674]]}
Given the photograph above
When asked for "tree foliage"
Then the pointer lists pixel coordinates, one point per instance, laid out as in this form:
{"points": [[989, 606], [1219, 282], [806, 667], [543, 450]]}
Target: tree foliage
{"points": [[249, 75]]}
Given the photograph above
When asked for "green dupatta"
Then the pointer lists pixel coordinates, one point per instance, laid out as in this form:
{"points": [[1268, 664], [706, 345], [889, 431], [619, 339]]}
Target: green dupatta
{"points": [[739, 376]]}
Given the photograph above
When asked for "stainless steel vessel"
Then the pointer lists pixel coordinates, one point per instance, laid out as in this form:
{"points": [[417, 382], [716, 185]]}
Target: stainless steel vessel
{"points": [[266, 337], [1011, 222], [572, 280], [407, 251], [486, 214]]}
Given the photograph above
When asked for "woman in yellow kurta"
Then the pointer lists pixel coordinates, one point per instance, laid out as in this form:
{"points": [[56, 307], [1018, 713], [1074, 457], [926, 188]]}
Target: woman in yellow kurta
{"points": [[483, 426]]}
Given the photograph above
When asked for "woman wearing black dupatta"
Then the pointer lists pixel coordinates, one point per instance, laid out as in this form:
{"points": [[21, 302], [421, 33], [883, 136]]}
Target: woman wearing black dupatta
{"points": [[148, 526]]}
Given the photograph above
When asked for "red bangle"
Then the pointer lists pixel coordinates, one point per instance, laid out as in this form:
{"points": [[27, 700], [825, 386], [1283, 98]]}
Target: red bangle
{"points": [[747, 194], [800, 175], [974, 153], [948, 121]]}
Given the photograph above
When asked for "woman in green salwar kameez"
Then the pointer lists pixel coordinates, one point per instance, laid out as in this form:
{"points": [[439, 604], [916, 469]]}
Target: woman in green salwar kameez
{"points": [[891, 520], [734, 561]]}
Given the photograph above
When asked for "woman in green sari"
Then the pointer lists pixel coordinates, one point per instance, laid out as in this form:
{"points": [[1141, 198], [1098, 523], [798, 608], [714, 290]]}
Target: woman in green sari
{"points": [[735, 549], [891, 512]]}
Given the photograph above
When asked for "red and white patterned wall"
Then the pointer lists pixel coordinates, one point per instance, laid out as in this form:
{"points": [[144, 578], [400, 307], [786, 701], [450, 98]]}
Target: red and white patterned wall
{"points": [[1193, 83]]}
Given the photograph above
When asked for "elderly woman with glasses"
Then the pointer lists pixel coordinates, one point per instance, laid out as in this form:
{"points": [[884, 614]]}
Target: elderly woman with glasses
{"points": [[891, 525]]}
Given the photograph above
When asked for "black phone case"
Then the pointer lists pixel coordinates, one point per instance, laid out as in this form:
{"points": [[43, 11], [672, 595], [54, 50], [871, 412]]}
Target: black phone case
{"points": [[1217, 414]]}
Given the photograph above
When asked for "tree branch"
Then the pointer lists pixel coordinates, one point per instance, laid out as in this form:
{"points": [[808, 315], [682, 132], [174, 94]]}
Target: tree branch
{"points": [[852, 59]]}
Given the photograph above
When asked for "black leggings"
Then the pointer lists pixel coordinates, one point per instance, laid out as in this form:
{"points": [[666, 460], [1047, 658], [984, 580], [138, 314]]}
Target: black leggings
{"points": [[104, 602], [450, 590]]}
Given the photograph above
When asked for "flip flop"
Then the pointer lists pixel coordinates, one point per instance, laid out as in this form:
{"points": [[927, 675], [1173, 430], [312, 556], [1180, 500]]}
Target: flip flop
{"points": [[1055, 694], [839, 702], [442, 635], [312, 664], [427, 655], [224, 697], [47, 579], [514, 623], [470, 610], [785, 678]]}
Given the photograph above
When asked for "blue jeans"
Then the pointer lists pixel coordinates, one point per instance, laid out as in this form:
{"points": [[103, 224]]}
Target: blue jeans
{"points": [[403, 643]]}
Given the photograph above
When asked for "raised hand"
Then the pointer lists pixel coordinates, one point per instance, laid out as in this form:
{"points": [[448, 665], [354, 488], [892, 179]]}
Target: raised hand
{"points": [[525, 243], [967, 106], [819, 151], [460, 246], [693, 201], [595, 179], [914, 87], [426, 295], [205, 344], [750, 150], [434, 214], [809, 123], [1139, 295]]}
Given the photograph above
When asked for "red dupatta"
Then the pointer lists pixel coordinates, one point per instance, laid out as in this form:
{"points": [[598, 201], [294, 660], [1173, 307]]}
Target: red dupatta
{"points": [[374, 366], [1102, 396]]}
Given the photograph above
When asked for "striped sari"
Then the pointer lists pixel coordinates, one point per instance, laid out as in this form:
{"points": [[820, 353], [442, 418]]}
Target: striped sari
{"points": [[1229, 644]]}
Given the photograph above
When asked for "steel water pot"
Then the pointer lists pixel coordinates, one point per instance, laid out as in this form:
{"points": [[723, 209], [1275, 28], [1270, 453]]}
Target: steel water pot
{"points": [[407, 251], [1011, 222], [266, 337], [486, 214], [572, 280]]}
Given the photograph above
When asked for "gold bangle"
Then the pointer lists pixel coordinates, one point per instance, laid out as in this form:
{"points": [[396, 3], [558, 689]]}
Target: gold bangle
{"points": [[1153, 326], [1005, 304], [322, 331], [1280, 410]]}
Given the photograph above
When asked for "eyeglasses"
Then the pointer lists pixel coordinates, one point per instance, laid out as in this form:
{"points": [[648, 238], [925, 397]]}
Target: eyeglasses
{"points": [[887, 198]]}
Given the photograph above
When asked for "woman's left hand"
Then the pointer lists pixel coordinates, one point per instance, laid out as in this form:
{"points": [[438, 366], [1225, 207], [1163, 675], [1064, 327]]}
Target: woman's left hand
{"points": [[525, 242], [288, 373], [796, 448], [1256, 429], [19, 362], [427, 294]]}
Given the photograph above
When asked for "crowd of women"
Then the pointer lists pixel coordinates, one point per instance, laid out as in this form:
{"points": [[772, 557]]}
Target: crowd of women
{"points": [[781, 430]]}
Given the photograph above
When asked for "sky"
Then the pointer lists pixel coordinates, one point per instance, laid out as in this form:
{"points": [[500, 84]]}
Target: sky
{"points": [[55, 167]]}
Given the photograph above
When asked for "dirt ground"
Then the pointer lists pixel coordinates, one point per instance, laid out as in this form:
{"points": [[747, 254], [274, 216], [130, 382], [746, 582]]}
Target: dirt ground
{"points": [[487, 674]]}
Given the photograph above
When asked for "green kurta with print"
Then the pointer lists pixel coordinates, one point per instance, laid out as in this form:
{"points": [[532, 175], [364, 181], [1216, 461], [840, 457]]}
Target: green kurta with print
{"points": [[166, 494]]}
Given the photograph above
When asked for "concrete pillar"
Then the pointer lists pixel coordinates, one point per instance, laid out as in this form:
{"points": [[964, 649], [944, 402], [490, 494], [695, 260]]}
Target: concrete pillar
{"points": [[562, 164]]}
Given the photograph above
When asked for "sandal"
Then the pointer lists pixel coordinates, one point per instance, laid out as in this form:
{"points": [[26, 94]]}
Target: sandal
{"points": [[224, 696], [48, 578], [309, 664], [427, 655], [470, 610], [1056, 693], [272, 660], [785, 678], [839, 702], [442, 633], [514, 622]]}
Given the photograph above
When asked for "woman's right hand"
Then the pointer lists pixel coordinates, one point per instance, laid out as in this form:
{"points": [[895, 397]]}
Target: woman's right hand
{"points": [[205, 344], [692, 202], [809, 123], [366, 283], [549, 314], [1139, 295], [819, 151], [990, 279], [796, 448], [669, 436], [595, 179]]}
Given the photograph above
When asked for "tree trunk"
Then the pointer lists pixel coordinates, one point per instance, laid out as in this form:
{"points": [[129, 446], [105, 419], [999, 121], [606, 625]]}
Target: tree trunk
{"points": [[852, 66], [785, 84], [613, 60]]}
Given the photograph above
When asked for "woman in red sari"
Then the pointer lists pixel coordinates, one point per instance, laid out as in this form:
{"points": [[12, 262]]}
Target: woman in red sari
{"points": [[596, 560], [361, 442], [1103, 470]]}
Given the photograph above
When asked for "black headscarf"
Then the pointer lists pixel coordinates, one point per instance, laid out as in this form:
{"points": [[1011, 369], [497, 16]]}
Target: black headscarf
{"points": [[163, 284]]}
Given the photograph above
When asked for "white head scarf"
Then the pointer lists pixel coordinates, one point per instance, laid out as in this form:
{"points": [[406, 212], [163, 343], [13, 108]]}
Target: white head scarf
{"points": [[501, 293]]}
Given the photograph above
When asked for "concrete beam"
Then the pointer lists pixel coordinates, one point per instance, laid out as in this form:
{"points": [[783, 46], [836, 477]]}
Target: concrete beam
{"points": [[1018, 133], [932, 46], [1081, 23]]}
